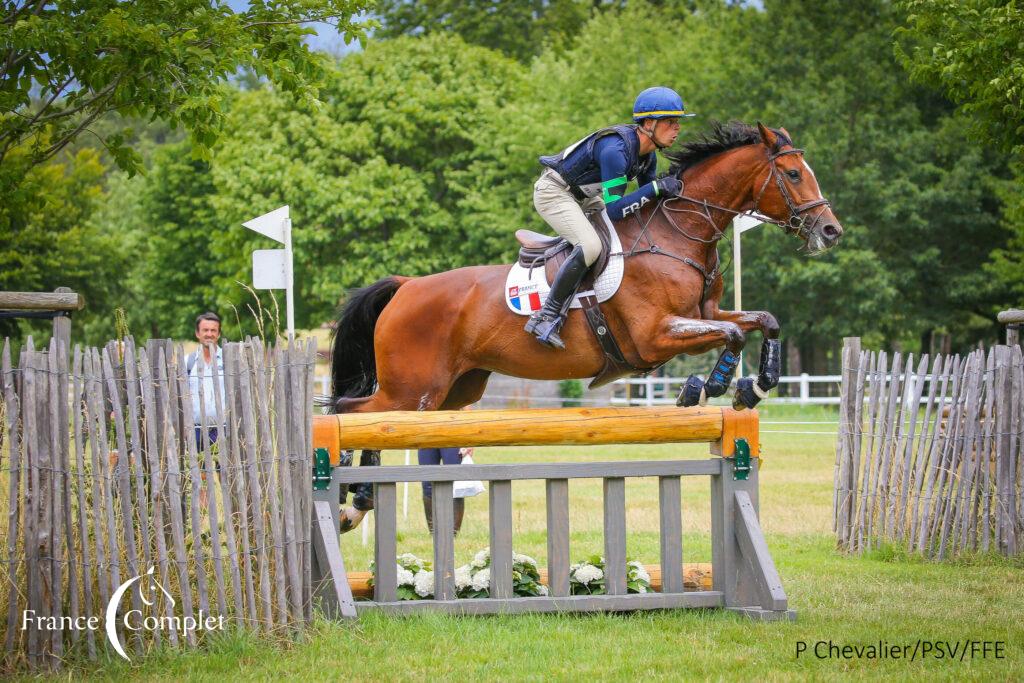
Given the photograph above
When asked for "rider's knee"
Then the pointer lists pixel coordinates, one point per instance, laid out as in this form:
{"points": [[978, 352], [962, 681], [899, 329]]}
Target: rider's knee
{"points": [[591, 248]]}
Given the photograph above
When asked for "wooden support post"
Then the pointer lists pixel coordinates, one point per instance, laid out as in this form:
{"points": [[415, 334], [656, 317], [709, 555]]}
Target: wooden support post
{"points": [[558, 535], [615, 535], [671, 534], [444, 541], [501, 539], [330, 582], [385, 542]]}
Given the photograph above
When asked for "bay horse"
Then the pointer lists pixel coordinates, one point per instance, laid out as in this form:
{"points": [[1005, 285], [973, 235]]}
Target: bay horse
{"points": [[430, 343]]}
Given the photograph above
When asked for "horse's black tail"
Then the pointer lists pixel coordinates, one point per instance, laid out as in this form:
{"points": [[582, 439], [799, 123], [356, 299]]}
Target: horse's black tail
{"points": [[353, 366]]}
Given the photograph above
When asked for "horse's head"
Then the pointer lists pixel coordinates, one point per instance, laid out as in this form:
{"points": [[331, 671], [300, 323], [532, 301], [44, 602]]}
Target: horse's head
{"points": [[789, 194]]}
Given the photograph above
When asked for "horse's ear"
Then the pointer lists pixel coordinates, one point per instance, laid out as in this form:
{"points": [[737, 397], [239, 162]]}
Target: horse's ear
{"points": [[768, 137], [786, 133]]}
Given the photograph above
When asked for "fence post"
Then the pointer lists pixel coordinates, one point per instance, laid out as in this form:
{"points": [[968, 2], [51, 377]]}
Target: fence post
{"points": [[846, 477], [1006, 488], [742, 568], [805, 388]]}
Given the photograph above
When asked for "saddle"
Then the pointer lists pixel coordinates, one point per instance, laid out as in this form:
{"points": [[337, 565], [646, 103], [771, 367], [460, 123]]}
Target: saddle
{"points": [[551, 252], [540, 249]]}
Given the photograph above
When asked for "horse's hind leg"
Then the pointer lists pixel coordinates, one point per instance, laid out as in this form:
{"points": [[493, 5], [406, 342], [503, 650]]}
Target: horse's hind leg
{"points": [[750, 390], [468, 388], [691, 336], [421, 385]]}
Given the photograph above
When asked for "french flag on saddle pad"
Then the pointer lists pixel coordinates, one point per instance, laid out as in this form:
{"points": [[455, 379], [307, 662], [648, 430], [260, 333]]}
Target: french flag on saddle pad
{"points": [[523, 300]]}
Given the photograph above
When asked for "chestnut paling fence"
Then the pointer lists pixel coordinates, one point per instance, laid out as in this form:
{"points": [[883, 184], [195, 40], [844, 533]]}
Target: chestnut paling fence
{"points": [[929, 453], [104, 480]]}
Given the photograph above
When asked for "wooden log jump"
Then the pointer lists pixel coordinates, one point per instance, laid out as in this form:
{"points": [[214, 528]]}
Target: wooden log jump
{"points": [[536, 427], [743, 575]]}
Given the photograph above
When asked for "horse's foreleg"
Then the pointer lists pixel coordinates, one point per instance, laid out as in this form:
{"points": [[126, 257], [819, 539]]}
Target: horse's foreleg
{"points": [[690, 336], [750, 390]]}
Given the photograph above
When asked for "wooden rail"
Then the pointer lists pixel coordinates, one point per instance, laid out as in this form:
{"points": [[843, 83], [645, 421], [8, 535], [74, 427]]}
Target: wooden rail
{"points": [[555, 426], [41, 301]]}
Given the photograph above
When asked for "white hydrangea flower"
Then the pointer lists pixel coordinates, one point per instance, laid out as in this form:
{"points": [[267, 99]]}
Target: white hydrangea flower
{"points": [[407, 558], [463, 577], [525, 559], [588, 573], [641, 588], [482, 579], [481, 558], [542, 589], [640, 572], [405, 577], [424, 584]]}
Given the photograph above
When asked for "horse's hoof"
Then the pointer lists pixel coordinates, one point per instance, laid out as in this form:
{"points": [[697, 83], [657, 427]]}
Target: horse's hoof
{"points": [[350, 519], [692, 393], [748, 394]]}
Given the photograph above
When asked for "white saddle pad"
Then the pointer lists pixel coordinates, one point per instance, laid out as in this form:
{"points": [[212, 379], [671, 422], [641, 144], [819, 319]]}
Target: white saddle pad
{"points": [[525, 291]]}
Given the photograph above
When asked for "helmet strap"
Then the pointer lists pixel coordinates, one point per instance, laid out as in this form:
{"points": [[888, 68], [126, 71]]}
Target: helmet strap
{"points": [[650, 133]]}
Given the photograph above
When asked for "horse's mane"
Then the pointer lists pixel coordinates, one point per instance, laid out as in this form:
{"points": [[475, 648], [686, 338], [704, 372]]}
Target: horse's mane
{"points": [[722, 137]]}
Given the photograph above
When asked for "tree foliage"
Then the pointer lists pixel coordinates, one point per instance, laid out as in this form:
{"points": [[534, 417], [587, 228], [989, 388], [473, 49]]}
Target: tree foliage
{"points": [[974, 51], [396, 173], [520, 29], [65, 65]]}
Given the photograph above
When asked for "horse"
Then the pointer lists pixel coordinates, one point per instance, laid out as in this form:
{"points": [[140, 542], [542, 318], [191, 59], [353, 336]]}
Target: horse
{"points": [[431, 342]]}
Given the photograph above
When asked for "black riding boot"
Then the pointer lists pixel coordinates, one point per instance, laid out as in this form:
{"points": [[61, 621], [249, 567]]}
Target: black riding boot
{"points": [[545, 323]]}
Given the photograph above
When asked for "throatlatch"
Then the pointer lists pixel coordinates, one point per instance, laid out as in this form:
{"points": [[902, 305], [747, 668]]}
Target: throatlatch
{"points": [[750, 390], [696, 391]]}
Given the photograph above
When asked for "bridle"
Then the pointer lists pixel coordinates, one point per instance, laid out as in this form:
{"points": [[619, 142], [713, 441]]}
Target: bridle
{"points": [[797, 220], [796, 223]]}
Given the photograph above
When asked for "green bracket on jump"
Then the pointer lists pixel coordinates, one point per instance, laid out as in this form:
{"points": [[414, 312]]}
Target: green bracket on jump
{"points": [[741, 461], [321, 469]]}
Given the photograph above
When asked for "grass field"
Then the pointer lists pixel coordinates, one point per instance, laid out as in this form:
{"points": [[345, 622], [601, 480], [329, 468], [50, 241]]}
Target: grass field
{"points": [[857, 601]]}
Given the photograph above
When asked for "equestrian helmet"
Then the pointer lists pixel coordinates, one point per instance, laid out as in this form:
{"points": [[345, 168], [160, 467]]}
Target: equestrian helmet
{"points": [[658, 103]]}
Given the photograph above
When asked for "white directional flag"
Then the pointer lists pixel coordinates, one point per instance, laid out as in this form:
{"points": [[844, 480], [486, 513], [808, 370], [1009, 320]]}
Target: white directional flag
{"points": [[270, 224]]}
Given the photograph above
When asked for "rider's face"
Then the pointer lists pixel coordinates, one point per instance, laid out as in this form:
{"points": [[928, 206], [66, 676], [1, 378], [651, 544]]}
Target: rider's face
{"points": [[666, 131]]}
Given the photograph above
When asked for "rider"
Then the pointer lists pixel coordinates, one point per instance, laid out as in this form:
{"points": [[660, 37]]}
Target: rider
{"points": [[592, 174]]}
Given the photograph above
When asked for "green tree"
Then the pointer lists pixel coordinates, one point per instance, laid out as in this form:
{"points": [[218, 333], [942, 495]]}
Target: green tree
{"points": [[49, 242], [521, 29], [65, 65], [400, 172], [911, 193], [973, 50], [171, 276]]}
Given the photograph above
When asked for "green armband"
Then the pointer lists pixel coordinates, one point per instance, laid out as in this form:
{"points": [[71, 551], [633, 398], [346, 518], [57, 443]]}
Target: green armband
{"points": [[610, 187]]}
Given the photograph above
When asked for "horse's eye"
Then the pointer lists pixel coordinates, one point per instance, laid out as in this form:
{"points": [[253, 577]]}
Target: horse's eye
{"points": [[793, 174]]}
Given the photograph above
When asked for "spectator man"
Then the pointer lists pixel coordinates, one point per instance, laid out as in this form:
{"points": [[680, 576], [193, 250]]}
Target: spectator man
{"points": [[204, 364]]}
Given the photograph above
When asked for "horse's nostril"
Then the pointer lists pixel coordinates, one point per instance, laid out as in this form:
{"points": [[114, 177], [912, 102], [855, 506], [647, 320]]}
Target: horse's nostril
{"points": [[831, 231]]}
